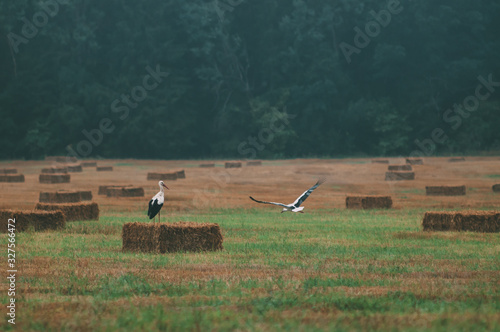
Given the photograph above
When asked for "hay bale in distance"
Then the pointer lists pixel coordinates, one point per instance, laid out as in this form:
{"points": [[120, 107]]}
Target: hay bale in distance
{"points": [[399, 176], [380, 161], [368, 202], [59, 197], [54, 170], [456, 159], [11, 177], [207, 165], [104, 168], [74, 168], [232, 165], [103, 190], [181, 174], [254, 163], [73, 211], [8, 171], [171, 237], [400, 168], [62, 159], [38, 220], [162, 176], [496, 188], [445, 190], [125, 192], [54, 178], [472, 221], [414, 161], [89, 164]]}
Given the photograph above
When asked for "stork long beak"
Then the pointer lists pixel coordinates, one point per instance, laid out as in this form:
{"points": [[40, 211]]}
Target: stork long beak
{"points": [[166, 187]]}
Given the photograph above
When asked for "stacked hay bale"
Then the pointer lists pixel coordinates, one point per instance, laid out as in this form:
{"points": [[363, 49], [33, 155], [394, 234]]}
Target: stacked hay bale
{"points": [[166, 237], [445, 190], [73, 211], [89, 164], [207, 165], [37, 220], [75, 168], [104, 168], [472, 221], [5, 171], [54, 178], [232, 165], [399, 176], [368, 202], [65, 196], [380, 161], [496, 188], [181, 174], [405, 168], [55, 170], [11, 177], [162, 176], [125, 192], [254, 163], [414, 161], [103, 190]]}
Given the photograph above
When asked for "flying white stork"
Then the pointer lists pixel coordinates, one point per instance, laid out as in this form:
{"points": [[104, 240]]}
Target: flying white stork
{"points": [[295, 206], [156, 202]]}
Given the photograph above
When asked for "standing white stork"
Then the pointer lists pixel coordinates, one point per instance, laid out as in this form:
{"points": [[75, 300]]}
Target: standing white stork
{"points": [[295, 206], [156, 203]]}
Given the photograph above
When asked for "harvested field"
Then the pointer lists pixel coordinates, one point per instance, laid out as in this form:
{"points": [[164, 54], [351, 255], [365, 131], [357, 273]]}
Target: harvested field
{"points": [[54, 178], [399, 176], [414, 161], [380, 161], [472, 221], [207, 165], [254, 163], [445, 190], [400, 168], [171, 237], [456, 159], [181, 174], [104, 168], [496, 188], [125, 192], [36, 220], [73, 211], [75, 168], [11, 177], [8, 171], [55, 170], [368, 202], [162, 176], [89, 164], [232, 165]]}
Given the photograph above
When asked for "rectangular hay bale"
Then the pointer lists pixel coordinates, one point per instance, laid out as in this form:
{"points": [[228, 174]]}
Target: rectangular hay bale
{"points": [[368, 202], [8, 171], [472, 221], [103, 190], [89, 163], [406, 168], [73, 211], [11, 177], [37, 220], [181, 174], [171, 237], [54, 170], [75, 168], [104, 168], [414, 161], [380, 161], [445, 190], [496, 188], [399, 176], [54, 178], [125, 192], [162, 176], [232, 165], [59, 197]]}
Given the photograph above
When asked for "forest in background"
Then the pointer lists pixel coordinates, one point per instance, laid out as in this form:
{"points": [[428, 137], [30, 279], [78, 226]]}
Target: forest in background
{"points": [[248, 79]]}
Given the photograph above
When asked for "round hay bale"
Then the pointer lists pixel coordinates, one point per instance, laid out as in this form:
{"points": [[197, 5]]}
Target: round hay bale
{"points": [[207, 165], [75, 168], [496, 188], [171, 237], [472, 221], [414, 161], [254, 163], [125, 192], [399, 176], [368, 202], [405, 168], [73, 211], [456, 159], [89, 164], [162, 176], [445, 190], [104, 168], [8, 171], [59, 197], [232, 165], [54, 170], [380, 161], [37, 220], [11, 177], [54, 178]]}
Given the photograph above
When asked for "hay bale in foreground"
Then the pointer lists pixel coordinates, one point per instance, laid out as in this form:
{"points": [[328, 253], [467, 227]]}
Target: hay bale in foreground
{"points": [[171, 237], [38, 220], [496, 188], [54, 170], [380, 161], [472, 221], [181, 174], [445, 190], [368, 202], [162, 176], [456, 159], [75, 168], [399, 176], [8, 171], [73, 211], [104, 168], [11, 177], [232, 165], [414, 161], [207, 165], [54, 178], [406, 168], [254, 163], [125, 192], [89, 163]]}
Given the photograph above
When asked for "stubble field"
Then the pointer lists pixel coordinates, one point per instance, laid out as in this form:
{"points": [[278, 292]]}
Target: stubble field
{"points": [[330, 268]]}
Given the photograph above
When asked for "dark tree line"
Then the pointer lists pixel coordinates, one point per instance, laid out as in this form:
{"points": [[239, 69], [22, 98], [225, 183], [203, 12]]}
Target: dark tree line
{"points": [[254, 78]]}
